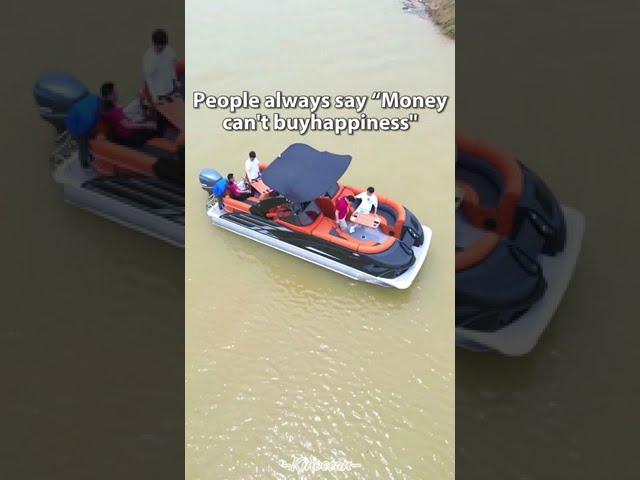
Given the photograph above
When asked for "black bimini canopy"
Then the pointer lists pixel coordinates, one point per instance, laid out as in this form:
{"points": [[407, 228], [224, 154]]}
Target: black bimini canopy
{"points": [[301, 173]]}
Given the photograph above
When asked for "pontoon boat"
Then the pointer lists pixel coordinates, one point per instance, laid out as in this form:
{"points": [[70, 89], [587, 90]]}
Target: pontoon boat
{"points": [[516, 249], [142, 188], [295, 213]]}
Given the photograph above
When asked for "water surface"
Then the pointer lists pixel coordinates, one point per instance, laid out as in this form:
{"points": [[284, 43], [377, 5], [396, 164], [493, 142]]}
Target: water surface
{"points": [[284, 358], [91, 311]]}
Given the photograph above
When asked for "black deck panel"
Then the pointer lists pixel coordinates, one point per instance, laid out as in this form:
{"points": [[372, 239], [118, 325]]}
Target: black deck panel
{"points": [[149, 194]]}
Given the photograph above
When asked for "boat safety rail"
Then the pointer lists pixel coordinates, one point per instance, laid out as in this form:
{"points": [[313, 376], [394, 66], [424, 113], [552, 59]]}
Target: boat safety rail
{"points": [[211, 201], [64, 149]]}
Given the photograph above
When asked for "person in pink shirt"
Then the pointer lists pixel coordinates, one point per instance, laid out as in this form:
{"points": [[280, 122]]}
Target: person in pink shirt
{"points": [[342, 210], [234, 190], [122, 128]]}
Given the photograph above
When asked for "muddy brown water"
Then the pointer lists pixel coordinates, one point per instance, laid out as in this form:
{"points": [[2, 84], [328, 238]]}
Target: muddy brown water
{"points": [[284, 358], [92, 311]]}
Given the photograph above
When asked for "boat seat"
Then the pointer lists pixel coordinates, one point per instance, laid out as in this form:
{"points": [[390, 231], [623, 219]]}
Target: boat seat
{"points": [[155, 151], [112, 158], [501, 217], [327, 206], [477, 251], [238, 205], [248, 200], [374, 247], [164, 144], [281, 212], [470, 205]]}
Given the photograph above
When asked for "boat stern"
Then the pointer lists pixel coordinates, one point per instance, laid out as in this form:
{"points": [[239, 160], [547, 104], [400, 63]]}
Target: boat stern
{"points": [[521, 336], [405, 280]]}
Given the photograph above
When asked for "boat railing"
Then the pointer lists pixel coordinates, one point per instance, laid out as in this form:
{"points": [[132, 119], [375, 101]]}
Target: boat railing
{"points": [[65, 148], [211, 201]]}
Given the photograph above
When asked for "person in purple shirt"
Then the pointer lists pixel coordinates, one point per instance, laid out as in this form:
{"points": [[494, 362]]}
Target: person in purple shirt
{"points": [[234, 190], [123, 129], [342, 209]]}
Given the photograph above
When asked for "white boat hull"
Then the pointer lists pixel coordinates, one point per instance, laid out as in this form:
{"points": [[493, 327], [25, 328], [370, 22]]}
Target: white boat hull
{"points": [[522, 335], [401, 282], [73, 177]]}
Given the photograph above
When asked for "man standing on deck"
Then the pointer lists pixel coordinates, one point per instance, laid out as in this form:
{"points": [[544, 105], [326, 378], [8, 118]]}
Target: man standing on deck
{"points": [[159, 66], [252, 167]]}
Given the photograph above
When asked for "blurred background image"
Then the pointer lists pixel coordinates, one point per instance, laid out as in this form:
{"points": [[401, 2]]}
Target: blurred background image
{"points": [[286, 359], [92, 311], [92, 330], [551, 85]]}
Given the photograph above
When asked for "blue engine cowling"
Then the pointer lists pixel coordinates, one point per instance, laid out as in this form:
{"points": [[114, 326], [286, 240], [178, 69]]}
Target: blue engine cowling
{"points": [[208, 178], [55, 93]]}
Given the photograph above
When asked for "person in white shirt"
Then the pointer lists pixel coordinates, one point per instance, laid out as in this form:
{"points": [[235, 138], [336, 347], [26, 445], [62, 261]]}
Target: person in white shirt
{"points": [[369, 201], [159, 66], [252, 167]]}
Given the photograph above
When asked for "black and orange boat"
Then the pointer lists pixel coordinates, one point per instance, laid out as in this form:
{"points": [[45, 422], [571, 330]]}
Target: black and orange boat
{"points": [[516, 248], [295, 213], [142, 188]]}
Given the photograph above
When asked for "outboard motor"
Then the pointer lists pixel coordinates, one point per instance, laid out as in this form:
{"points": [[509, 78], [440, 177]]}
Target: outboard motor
{"points": [[208, 178], [55, 93]]}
